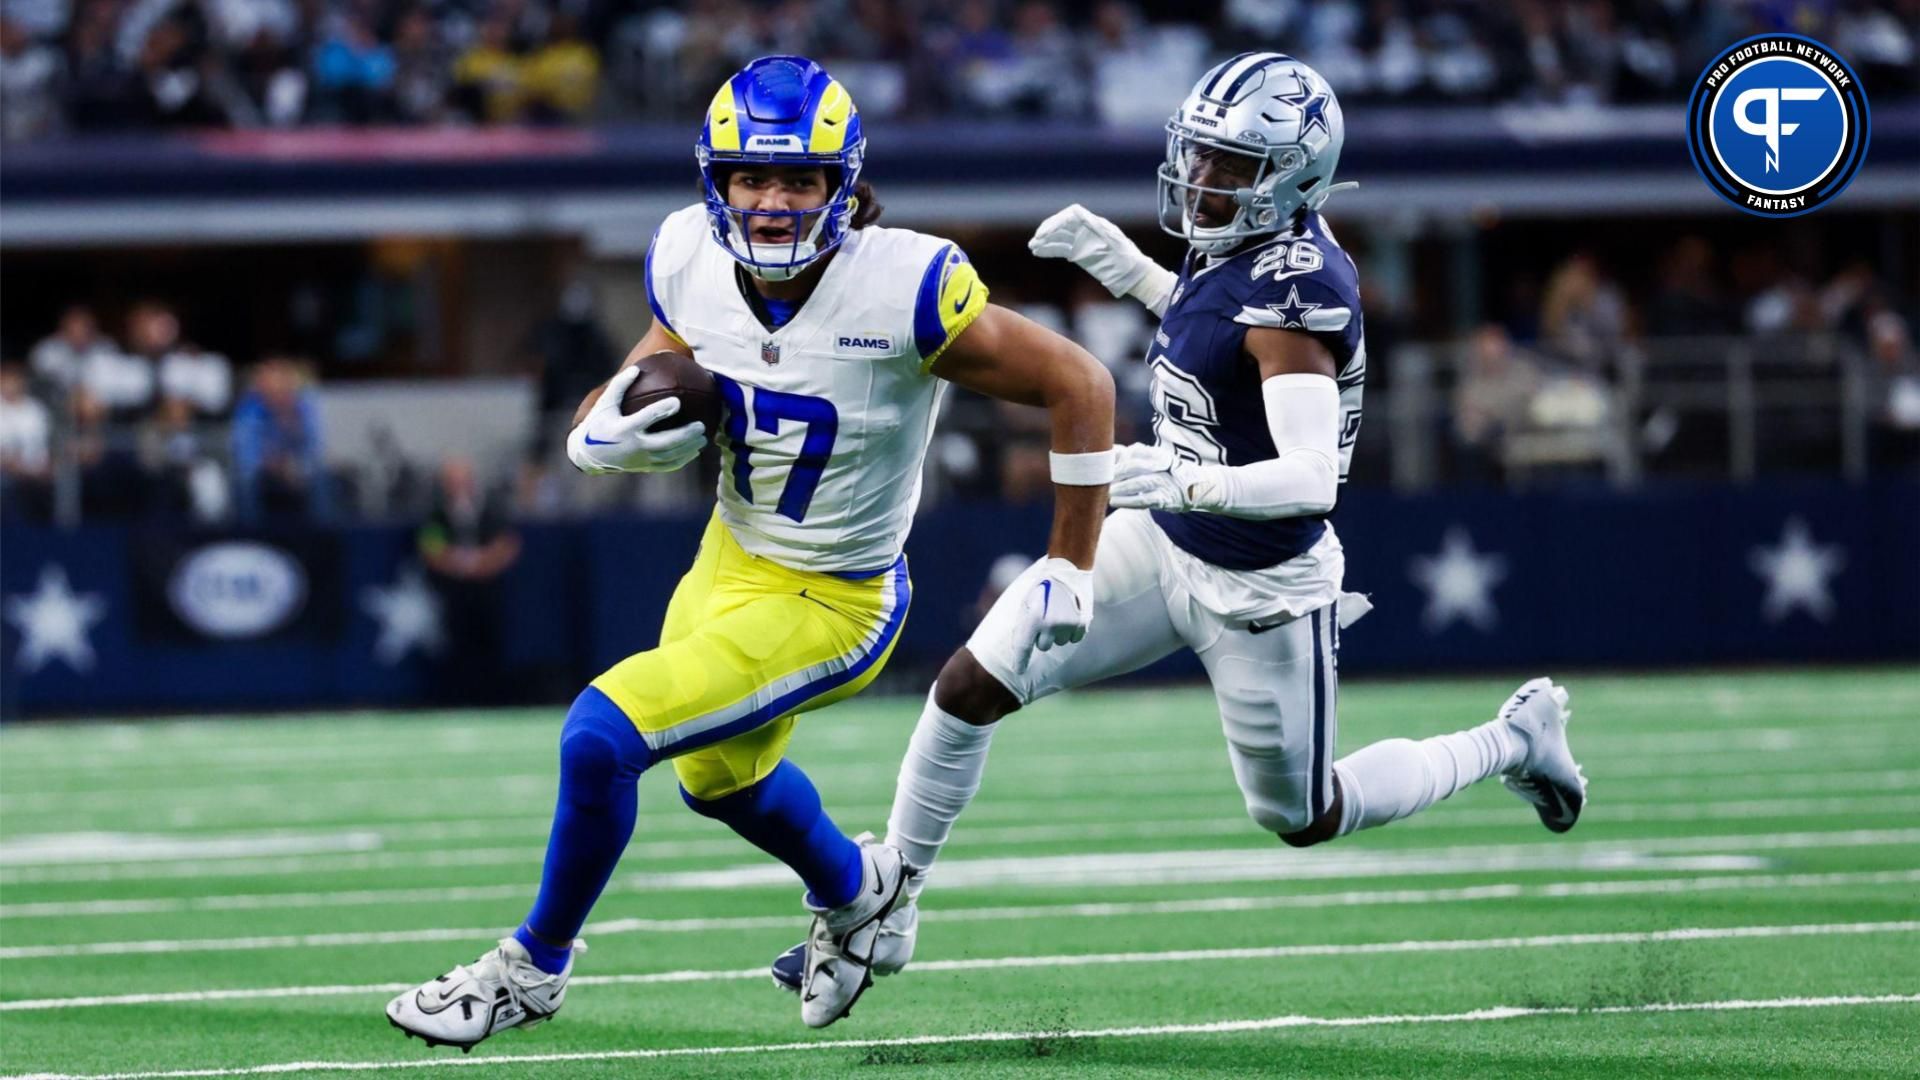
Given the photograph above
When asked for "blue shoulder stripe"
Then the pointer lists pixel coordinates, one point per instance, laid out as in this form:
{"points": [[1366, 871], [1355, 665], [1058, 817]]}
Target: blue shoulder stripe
{"points": [[653, 301], [929, 330]]}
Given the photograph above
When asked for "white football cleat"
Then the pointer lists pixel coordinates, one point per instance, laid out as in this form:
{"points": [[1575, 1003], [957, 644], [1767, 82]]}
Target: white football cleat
{"points": [[891, 952], [1547, 776], [840, 951], [500, 990]]}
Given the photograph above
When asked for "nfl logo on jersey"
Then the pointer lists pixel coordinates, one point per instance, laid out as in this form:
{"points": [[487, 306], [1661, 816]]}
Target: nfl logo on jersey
{"points": [[769, 353]]}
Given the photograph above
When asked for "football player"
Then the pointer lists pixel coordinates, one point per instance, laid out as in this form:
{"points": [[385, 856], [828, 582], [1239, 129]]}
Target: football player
{"points": [[1222, 544], [831, 341]]}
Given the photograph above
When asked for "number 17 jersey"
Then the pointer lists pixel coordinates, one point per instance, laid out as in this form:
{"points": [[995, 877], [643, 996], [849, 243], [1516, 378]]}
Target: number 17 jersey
{"points": [[827, 417]]}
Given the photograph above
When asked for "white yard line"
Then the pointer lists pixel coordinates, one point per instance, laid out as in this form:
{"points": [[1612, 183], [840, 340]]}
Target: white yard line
{"points": [[1216, 1027], [75, 857], [1066, 960], [654, 821], [1234, 864], [1561, 890]]}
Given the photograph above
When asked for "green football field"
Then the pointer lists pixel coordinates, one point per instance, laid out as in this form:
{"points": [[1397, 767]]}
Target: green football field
{"points": [[1742, 899]]}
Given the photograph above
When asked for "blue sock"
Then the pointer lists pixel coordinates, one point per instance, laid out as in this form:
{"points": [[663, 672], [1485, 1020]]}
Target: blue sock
{"points": [[601, 759], [781, 815]]}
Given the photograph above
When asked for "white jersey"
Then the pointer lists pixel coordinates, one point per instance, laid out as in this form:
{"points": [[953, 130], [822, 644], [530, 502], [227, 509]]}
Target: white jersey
{"points": [[829, 416]]}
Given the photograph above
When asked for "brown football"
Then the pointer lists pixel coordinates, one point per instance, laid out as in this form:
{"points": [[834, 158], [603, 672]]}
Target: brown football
{"points": [[669, 374]]}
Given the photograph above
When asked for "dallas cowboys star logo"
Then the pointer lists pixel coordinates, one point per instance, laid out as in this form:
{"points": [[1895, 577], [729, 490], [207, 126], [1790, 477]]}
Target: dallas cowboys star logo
{"points": [[1459, 583], [54, 622], [1797, 573], [1293, 311], [1312, 104], [408, 612]]}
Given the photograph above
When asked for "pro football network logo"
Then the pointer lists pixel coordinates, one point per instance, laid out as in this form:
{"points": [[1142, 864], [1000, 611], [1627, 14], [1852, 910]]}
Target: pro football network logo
{"points": [[1778, 125]]}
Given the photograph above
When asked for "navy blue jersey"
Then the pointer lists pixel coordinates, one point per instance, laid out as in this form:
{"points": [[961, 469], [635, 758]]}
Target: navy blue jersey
{"points": [[1206, 390]]}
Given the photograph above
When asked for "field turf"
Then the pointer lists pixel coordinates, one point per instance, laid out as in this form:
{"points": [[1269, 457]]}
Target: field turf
{"points": [[1742, 899]]}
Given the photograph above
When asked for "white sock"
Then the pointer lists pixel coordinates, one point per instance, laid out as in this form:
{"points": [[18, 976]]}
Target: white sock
{"points": [[1395, 778], [938, 778]]}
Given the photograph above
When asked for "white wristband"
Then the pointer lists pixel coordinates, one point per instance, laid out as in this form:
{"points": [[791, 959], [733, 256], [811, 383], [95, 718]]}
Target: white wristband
{"points": [[1081, 470]]}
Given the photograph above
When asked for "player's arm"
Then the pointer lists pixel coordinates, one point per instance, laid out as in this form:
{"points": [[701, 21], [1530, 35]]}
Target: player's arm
{"points": [[1005, 355], [1098, 246], [1303, 416], [604, 441], [657, 339]]}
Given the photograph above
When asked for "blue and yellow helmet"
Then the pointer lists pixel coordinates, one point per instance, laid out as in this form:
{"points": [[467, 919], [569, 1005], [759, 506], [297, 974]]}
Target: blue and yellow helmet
{"points": [[781, 110]]}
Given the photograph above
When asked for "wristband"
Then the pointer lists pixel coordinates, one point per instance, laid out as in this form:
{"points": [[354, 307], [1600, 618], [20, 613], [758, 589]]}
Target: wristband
{"points": [[1081, 470]]}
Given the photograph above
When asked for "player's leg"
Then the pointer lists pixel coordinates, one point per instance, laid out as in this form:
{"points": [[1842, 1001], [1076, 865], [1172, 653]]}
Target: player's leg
{"points": [[1525, 744], [979, 684], [808, 640], [602, 755], [1278, 697], [982, 683]]}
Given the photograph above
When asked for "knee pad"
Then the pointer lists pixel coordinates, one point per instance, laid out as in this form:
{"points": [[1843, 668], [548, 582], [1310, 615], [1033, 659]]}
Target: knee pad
{"points": [[1284, 820], [599, 746]]}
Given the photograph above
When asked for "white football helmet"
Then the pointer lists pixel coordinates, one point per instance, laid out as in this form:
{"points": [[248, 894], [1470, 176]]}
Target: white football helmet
{"points": [[1263, 129]]}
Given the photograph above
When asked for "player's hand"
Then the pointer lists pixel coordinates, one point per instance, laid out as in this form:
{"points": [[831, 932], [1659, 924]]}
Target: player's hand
{"points": [[1154, 478], [1093, 243], [607, 442], [1055, 609]]}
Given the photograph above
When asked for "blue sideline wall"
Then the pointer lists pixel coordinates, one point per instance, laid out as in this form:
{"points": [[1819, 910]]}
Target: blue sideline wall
{"points": [[1675, 576]]}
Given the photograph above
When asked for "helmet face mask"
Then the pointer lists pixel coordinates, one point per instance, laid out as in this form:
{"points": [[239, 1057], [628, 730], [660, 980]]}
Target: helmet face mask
{"points": [[787, 112], [777, 258], [1255, 142]]}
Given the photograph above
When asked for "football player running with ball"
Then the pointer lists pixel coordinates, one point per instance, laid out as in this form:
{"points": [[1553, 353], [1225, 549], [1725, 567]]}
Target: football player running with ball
{"points": [[831, 342], [1223, 544]]}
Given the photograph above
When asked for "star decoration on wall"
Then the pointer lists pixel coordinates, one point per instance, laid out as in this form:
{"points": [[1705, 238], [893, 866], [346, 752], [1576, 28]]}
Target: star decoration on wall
{"points": [[1459, 583], [408, 613], [1798, 573], [54, 622]]}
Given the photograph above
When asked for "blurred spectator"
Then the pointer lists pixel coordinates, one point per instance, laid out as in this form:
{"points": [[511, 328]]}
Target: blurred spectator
{"points": [[202, 379], [1583, 316], [110, 481], [562, 77], [26, 463], [174, 90], [467, 545], [423, 70], [278, 470], [488, 80], [269, 86], [353, 72], [64, 359], [29, 84], [103, 90], [184, 479], [1491, 397]]}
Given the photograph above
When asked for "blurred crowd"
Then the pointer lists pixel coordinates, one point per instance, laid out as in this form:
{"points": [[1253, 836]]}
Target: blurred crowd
{"points": [[93, 65], [1563, 378], [152, 425]]}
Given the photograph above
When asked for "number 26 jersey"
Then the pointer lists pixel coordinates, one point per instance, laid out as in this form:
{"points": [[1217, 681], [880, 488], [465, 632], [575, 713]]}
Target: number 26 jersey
{"points": [[1207, 403], [828, 417]]}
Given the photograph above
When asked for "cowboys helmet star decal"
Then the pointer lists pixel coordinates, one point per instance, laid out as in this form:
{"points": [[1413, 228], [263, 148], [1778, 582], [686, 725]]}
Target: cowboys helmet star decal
{"points": [[1313, 108]]}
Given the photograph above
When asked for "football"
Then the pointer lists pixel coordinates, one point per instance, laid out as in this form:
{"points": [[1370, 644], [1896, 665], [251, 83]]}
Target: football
{"points": [[669, 374]]}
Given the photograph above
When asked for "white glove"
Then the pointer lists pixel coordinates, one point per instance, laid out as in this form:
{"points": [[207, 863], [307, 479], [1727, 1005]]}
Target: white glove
{"points": [[1055, 610], [607, 442], [1154, 478], [1098, 246]]}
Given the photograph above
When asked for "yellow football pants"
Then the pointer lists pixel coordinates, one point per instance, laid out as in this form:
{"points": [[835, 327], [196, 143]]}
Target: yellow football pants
{"points": [[747, 645]]}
